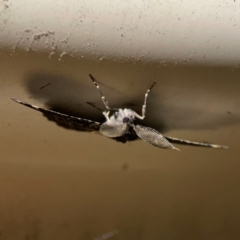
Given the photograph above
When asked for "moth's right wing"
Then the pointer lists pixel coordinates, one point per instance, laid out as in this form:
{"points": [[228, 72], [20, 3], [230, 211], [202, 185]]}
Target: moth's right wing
{"points": [[196, 144], [64, 120], [153, 137]]}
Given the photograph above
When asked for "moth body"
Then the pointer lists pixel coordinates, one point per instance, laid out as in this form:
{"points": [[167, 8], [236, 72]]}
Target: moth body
{"points": [[121, 125], [118, 123]]}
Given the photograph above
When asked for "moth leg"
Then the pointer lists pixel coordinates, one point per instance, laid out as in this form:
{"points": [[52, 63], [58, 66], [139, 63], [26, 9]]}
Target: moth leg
{"points": [[94, 106], [106, 115], [105, 102], [145, 103]]}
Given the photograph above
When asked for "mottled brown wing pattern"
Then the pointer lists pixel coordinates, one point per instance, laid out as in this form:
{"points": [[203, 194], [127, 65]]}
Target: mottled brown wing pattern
{"points": [[64, 120]]}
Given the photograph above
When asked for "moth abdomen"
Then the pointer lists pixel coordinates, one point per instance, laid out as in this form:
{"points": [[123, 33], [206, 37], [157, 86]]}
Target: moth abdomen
{"points": [[113, 130]]}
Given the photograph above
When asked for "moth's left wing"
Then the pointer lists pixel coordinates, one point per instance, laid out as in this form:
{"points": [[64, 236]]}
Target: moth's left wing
{"points": [[64, 120]]}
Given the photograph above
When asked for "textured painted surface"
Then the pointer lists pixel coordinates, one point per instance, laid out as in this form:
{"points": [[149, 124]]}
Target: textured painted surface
{"points": [[174, 32]]}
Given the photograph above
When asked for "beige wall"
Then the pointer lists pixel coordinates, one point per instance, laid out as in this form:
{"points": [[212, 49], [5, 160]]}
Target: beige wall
{"points": [[59, 184]]}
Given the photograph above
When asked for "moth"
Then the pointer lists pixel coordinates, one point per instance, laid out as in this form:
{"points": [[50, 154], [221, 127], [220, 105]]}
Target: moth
{"points": [[120, 124]]}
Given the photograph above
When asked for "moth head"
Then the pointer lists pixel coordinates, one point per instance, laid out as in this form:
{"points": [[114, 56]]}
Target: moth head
{"points": [[125, 120], [129, 119]]}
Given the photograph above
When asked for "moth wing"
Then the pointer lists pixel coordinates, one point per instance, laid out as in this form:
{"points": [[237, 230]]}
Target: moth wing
{"points": [[64, 120], [153, 137], [191, 143]]}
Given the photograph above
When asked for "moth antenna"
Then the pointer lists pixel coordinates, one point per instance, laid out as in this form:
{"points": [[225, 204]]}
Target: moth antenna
{"points": [[144, 107], [105, 102]]}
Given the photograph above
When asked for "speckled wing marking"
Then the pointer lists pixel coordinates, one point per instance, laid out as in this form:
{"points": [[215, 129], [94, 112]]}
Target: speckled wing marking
{"points": [[197, 144], [153, 137], [64, 120]]}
